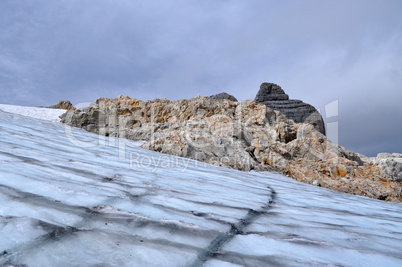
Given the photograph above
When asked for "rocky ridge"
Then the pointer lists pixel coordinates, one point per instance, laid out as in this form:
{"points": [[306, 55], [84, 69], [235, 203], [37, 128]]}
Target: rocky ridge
{"points": [[242, 135]]}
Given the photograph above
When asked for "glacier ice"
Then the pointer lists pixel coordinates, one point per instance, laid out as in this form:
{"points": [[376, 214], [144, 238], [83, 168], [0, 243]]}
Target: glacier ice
{"points": [[86, 206]]}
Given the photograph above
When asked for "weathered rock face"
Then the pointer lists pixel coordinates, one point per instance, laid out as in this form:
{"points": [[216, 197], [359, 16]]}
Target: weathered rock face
{"points": [[222, 96], [63, 104], [244, 136], [200, 128], [274, 97], [391, 165]]}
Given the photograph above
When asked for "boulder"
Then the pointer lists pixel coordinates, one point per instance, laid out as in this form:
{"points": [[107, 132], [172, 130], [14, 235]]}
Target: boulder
{"points": [[391, 165]]}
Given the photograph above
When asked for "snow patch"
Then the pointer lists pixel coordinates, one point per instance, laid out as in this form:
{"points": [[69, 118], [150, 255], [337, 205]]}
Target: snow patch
{"points": [[48, 114]]}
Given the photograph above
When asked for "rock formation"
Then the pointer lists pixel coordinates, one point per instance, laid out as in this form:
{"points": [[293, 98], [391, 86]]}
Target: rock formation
{"points": [[223, 96], [245, 136], [63, 104], [274, 97]]}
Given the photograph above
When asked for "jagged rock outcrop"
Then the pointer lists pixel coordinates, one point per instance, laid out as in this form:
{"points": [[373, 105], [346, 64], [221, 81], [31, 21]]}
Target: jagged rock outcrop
{"points": [[274, 97], [245, 136], [63, 104], [222, 96]]}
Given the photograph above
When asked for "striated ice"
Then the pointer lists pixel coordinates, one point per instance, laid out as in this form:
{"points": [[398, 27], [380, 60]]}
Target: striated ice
{"points": [[108, 205]]}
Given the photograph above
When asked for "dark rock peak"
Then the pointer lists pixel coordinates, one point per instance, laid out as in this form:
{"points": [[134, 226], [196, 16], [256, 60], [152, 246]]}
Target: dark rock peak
{"points": [[274, 97], [223, 96], [270, 92]]}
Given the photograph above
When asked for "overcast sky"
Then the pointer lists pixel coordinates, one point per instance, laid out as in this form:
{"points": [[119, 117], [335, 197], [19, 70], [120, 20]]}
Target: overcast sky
{"points": [[317, 51]]}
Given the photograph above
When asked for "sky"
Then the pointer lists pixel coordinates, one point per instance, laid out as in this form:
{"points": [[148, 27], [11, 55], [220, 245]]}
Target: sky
{"points": [[317, 51]]}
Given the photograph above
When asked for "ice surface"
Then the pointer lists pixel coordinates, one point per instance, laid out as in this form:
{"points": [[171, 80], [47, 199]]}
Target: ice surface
{"points": [[108, 206], [48, 114]]}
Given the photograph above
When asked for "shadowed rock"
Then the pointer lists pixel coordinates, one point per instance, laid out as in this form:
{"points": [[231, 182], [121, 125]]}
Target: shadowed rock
{"points": [[273, 96], [223, 96]]}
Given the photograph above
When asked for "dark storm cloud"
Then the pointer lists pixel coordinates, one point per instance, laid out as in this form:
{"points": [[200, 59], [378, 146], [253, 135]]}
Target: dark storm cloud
{"points": [[318, 51]]}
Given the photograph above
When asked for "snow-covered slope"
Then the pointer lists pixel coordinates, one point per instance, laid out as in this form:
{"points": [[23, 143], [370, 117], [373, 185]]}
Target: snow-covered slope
{"points": [[48, 114], [116, 204]]}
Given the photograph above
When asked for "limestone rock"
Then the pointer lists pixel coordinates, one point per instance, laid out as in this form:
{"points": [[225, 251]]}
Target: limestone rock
{"points": [[391, 165], [273, 96], [250, 112], [223, 96], [63, 104]]}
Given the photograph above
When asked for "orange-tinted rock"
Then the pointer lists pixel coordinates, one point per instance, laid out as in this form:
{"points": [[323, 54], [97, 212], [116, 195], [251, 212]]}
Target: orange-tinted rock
{"points": [[63, 104]]}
